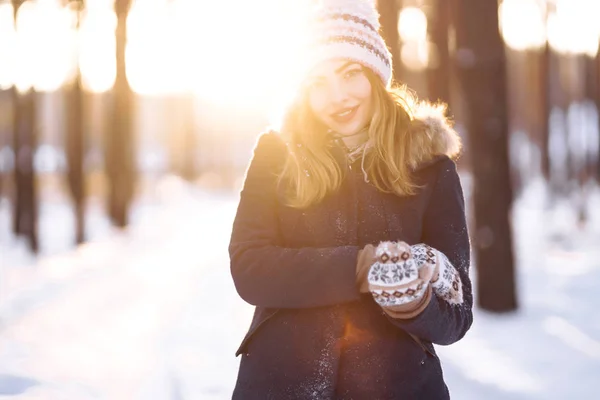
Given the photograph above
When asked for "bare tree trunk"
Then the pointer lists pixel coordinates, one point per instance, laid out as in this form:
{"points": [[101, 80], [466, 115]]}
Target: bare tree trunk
{"points": [[558, 101], [388, 10], [6, 116], [189, 165], [183, 140], [597, 101], [119, 156], [593, 93], [481, 70], [24, 143], [76, 145], [546, 108], [438, 72]]}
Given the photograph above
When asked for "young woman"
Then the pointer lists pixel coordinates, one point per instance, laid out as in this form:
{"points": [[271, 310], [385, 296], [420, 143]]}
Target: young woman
{"points": [[350, 236]]}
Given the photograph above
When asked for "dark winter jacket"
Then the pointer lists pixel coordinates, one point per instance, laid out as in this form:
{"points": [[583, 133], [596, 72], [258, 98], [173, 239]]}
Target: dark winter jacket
{"points": [[313, 335]]}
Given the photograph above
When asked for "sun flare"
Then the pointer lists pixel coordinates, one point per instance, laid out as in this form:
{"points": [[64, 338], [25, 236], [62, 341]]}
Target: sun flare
{"points": [[241, 53], [248, 57]]}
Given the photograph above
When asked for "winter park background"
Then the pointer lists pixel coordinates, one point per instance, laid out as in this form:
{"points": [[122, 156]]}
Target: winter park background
{"points": [[146, 309]]}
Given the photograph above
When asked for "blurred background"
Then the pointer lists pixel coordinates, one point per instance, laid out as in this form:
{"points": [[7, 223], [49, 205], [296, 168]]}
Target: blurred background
{"points": [[125, 130]]}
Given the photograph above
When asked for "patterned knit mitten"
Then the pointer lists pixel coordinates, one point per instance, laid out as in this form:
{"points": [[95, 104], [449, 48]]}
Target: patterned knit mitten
{"points": [[397, 282], [446, 282]]}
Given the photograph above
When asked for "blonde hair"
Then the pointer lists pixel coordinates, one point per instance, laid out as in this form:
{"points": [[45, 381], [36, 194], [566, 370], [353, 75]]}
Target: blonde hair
{"points": [[311, 171]]}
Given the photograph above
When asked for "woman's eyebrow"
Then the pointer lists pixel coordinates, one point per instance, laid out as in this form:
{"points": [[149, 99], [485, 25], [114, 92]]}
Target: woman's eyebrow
{"points": [[337, 70], [344, 66]]}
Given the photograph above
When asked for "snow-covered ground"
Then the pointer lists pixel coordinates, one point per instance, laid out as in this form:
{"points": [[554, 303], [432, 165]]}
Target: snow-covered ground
{"points": [[151, 312], [550, 348]]}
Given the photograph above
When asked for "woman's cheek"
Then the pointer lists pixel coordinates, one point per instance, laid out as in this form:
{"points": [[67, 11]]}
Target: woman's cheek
{"points": [[318, 105]]}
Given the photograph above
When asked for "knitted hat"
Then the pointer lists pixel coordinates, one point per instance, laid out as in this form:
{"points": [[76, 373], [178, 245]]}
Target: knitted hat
{"points": [[349, 29]]}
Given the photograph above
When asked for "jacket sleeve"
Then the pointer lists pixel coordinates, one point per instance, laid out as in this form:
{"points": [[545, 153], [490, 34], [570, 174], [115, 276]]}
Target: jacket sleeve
{"points": [[444, 322], [267, 274]]}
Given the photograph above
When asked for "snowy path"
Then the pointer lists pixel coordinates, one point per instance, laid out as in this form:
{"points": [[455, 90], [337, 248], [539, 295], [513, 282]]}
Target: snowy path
{"points": [[153, 315], [113, 319]]}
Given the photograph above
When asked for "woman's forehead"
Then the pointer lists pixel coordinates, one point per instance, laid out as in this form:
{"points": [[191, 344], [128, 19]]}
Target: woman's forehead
{"points": [[331, 67]]}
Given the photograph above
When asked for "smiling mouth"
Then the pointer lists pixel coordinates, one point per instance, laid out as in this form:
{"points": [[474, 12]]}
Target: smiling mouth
{"points": [[345, 115]]}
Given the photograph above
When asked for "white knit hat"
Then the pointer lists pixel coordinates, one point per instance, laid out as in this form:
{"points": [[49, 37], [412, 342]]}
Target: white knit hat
{"points": [[349, 29]]}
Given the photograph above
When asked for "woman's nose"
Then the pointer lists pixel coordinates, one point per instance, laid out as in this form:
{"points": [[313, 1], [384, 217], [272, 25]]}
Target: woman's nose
{"points": [[338, 93]]}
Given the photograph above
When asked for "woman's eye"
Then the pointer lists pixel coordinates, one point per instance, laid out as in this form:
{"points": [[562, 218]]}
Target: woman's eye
{"points": [[352, 73]]}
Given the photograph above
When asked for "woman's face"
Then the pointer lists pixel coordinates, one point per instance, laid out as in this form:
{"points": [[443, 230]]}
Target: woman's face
{"points": [[339, 94]]}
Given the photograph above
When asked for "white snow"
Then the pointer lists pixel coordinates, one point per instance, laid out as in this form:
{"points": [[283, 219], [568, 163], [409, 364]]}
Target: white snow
{"points": [[151, 312]]}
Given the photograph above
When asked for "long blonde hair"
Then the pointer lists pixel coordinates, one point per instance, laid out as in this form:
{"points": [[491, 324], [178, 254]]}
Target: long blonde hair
{"points": [[311, 171]]}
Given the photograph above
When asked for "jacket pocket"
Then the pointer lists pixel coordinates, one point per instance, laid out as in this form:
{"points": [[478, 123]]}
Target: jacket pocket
{"points": [[424, 346], [262, 319]]}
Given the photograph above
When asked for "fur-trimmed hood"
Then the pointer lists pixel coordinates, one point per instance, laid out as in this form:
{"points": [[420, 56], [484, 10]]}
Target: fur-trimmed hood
{"points": [[432, 135]]}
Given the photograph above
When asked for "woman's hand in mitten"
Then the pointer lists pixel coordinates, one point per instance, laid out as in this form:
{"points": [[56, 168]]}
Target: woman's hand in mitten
{"points": [[398, 283], [445, 282], [366, 258]]}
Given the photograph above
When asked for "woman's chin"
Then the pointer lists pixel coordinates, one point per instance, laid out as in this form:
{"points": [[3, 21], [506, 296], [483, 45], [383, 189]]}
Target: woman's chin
{"points": [[348, 130]]}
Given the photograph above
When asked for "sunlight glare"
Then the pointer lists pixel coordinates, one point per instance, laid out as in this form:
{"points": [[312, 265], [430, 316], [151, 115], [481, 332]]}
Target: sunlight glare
{"points": [[183, 25], [250, 58], [412, 25], [522, 24], [97, 60], [7, 46], [149, 43], [415, 54], [44, 37], [412, 28], [246, 58], [573, 28], [254, 67]]}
